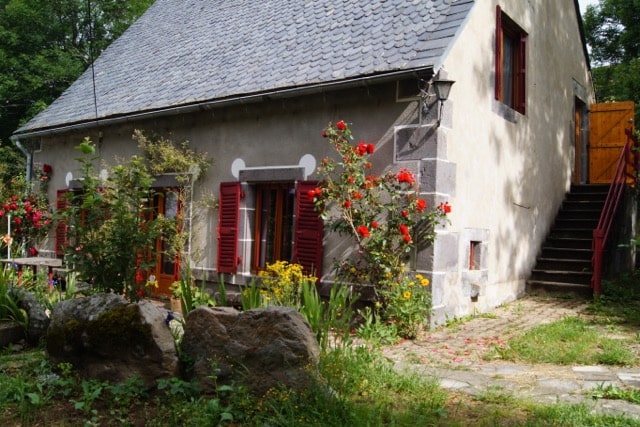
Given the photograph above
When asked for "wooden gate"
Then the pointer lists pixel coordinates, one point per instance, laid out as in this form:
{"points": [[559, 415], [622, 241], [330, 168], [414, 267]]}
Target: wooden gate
{"points": [[607, 123]]}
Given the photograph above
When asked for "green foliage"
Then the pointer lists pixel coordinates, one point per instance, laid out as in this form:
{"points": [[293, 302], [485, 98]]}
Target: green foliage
{"points": [[112, 228], [285, 284], [386, 219], [46, 45], [408, 305], [164, 156], [281, 283], [612, 30], [569, 341], [382, 214], [330, 320], [9, 304], [609, 391]]}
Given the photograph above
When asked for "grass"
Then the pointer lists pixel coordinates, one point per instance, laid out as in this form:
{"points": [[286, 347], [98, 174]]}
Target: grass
{"points": [[359, 387], [572, 340]]}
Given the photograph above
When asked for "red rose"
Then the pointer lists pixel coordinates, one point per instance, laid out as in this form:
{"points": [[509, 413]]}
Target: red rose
{"points": [[363, 231], [341, 125], [33, 251], [1, 213], [351, 180], [362, 148], [367, 165], [445, 207], [421, 205], [370, 148], [324, 133], [404, 214], [404, 230], [356, 195], [406, 176], [374, 224], [347, 203], [311, 195], [17, 220], [406, 238], [47, 169]]}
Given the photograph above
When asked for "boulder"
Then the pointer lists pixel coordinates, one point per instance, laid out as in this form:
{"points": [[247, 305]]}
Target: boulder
{"points": [[262, 348], [38, 321], [107, 338]]}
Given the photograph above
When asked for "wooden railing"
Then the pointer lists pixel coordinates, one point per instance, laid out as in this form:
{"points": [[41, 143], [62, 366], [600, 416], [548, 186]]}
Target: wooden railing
{"points": [[626, 173]]}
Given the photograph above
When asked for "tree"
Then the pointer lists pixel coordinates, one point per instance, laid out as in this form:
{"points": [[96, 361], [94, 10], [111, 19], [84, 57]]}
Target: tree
{"points": [[613, 33], [46, 45]]}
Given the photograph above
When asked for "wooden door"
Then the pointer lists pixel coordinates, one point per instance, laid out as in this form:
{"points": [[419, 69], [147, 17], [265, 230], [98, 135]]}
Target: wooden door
{"points": [[607, 123]]}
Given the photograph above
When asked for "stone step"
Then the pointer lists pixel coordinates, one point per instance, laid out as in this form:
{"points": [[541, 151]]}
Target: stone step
{"points": [[562, 276], [539, 286]]}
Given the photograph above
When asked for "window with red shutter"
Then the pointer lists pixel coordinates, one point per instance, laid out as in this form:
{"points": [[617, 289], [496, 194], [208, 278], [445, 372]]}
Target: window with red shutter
{"points": [[228, 227], [510, 62], [309, 231], [287, 227]]}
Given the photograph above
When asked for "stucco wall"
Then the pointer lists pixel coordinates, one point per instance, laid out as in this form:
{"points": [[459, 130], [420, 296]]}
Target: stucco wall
{"points": [[512, 169], [269, 134]]}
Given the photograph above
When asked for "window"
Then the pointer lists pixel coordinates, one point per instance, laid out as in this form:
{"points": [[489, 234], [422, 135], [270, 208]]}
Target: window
{"points": [[510, 62], [286, 227], [166, 202], [273, 234], [474, 255]]}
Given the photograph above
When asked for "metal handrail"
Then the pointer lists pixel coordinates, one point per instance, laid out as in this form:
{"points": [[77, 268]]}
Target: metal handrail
{"points": [[612, 202]]}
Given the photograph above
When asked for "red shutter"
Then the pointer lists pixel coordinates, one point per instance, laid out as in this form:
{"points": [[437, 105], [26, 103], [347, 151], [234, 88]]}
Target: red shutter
{"points": [[228, 227], [61, 228], [522, 73], [309, 231], [498, 54]]}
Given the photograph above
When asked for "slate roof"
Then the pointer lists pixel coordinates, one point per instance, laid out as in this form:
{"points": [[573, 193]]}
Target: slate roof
{"points": [[185, 52]]}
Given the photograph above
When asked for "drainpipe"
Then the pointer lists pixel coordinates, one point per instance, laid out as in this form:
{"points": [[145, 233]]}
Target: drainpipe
{"points": [[28, 155]]}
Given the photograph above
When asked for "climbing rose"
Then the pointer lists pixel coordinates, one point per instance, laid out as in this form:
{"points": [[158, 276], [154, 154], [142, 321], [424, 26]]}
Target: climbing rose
{"points": [[404, 214], [374, 224], [445, 207], [406, 176], [347, 203], [311, 194], [404, 230], [421, 205], [341, 125], [363, 231], [362, 148], [406, 238]]}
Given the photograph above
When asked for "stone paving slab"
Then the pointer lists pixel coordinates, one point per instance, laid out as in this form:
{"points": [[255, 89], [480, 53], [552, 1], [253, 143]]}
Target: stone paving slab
{"points": [[459, 357]]}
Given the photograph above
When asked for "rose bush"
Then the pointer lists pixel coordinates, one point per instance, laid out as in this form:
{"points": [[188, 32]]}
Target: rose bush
{"points": [[384, 216], [28, 212]]}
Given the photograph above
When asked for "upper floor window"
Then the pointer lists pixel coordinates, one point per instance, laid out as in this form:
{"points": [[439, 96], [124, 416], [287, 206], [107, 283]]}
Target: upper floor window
{"points": [[510, 62]]}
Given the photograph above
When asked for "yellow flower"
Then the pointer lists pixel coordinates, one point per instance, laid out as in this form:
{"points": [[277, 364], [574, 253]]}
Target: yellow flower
{"points": [[424, 283], [352, 269], [419, 276], [378, 304], [406, 294], [411, 284]]}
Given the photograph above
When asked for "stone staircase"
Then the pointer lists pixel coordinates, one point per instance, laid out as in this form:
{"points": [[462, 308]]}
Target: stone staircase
{"points": [[564, 264]]}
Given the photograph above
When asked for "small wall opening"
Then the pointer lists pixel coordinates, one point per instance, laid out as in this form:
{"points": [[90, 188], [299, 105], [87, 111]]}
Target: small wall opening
{"points": [[475, 255]]}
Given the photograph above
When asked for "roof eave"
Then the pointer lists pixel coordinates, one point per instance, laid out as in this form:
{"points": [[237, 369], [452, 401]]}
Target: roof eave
{"points": [[289, 92]]}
